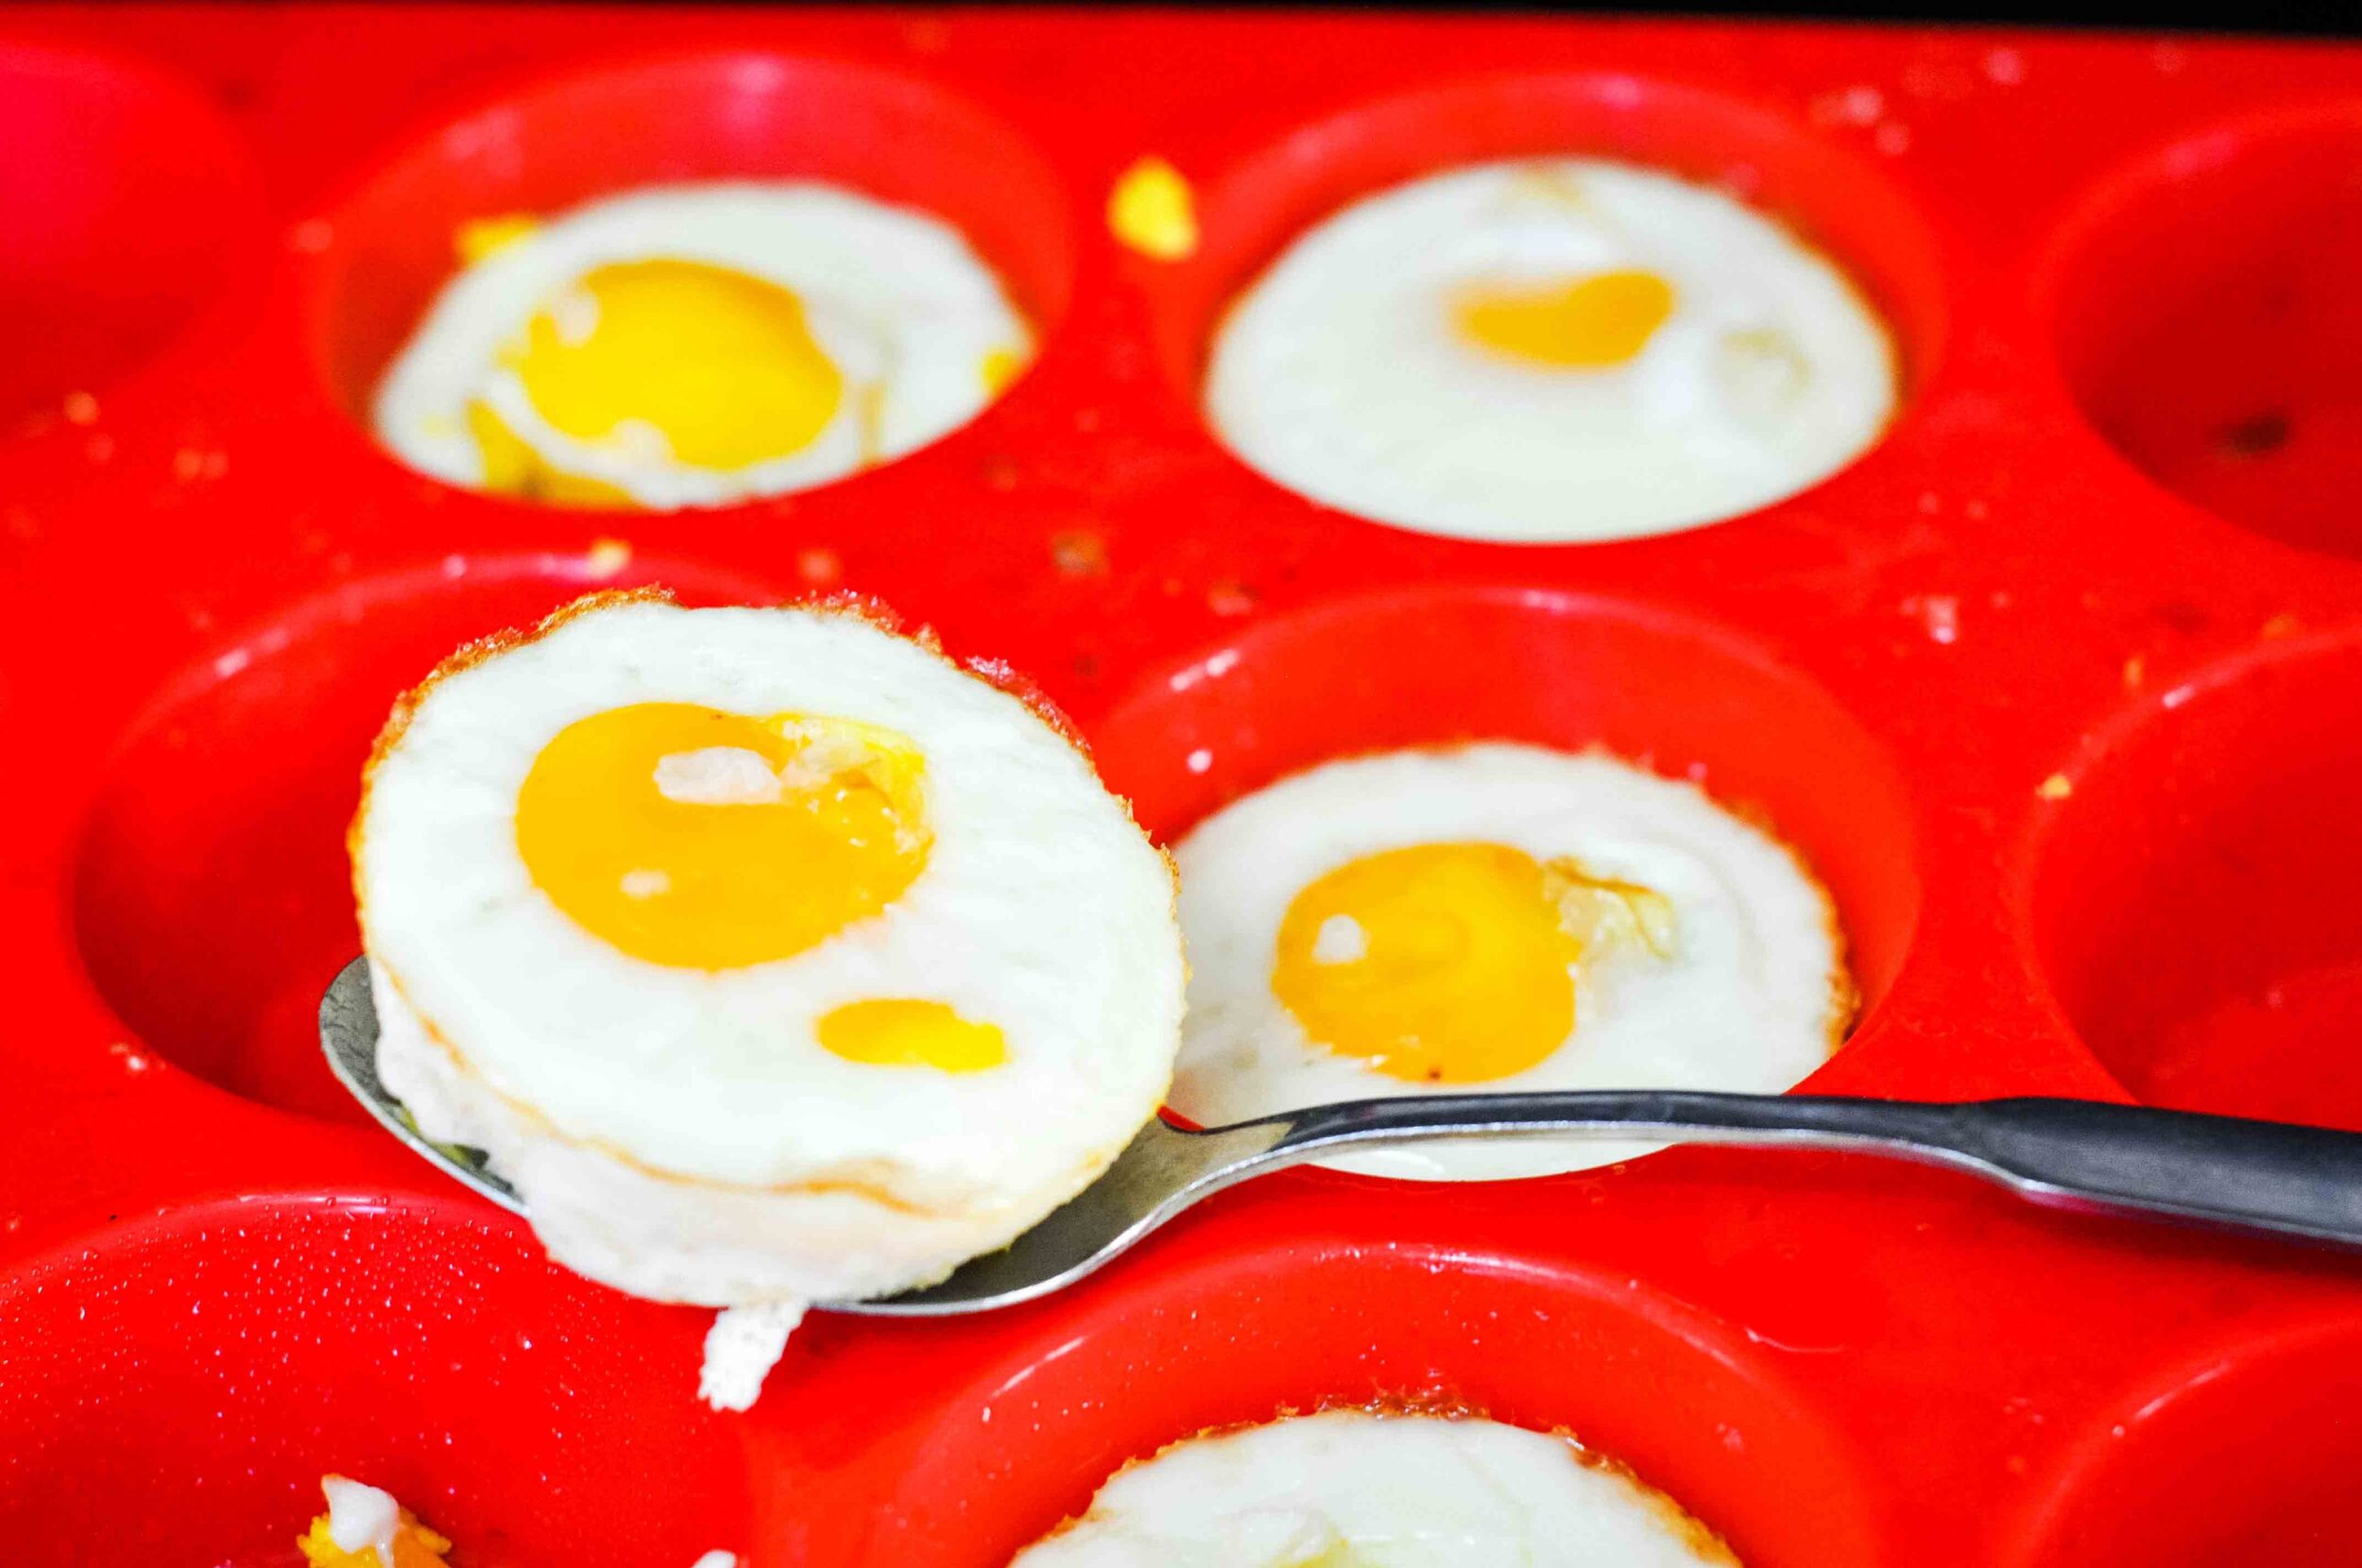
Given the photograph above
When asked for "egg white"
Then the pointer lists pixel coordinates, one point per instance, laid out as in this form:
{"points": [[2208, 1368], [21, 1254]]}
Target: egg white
{"points": [[1339, 375], [1754, 998], [1439, 1493], [681, 1132], [897, 299]]}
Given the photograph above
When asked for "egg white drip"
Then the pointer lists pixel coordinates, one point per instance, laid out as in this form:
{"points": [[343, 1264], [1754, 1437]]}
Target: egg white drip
{"points": [[1340, 374], [1441, 1493], [741, 1347], [1041, 910], [897, 299], [1748, 999]]}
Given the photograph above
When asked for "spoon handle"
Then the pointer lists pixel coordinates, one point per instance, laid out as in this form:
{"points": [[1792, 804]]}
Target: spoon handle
{"points": [[2218, 1170]]}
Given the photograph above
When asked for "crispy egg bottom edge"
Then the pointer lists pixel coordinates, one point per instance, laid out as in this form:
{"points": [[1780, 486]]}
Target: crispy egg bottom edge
{"points": [[1700, 1537]]}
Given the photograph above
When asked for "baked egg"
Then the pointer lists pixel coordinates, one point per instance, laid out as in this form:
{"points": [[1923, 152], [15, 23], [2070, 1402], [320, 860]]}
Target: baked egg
{"points": [[1550, 351], [1495, 918], [769, 954], [695, 345]]}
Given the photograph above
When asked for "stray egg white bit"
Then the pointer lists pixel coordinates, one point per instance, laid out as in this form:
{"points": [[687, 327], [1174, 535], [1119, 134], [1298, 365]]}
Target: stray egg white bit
{"points": [[361, 1517], [1341, 940], [741, 1347]]}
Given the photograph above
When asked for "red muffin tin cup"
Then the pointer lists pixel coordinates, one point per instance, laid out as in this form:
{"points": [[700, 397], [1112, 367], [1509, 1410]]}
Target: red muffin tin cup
{"points": [[133, 201], [174, 1385], [2058, 688]]}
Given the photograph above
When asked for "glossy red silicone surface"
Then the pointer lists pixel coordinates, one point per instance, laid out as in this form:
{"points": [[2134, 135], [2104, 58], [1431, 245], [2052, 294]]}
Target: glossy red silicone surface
{"points": [[2060, 686]]}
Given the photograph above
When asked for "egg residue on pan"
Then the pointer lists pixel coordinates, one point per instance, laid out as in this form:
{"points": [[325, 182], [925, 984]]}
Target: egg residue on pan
{"points": [[1553, 350], [769, 954], [1344, 1489], [364, 1527], [1495, 918], [694, 345]]}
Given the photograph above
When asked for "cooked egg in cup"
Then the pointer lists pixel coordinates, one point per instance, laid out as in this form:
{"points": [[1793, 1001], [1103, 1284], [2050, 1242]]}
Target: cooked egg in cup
{"points": [[769, 954], [1495, 918], [1350, 1487], [1550, 352], [695, 345]]}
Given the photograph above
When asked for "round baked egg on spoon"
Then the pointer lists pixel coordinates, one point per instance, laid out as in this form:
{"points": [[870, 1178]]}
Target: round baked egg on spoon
{"points": [[698, 345], [771, 956]]}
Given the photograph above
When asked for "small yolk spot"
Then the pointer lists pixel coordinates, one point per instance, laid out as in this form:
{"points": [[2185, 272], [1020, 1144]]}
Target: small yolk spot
{"points": [[1587, 324], [481, 237], [681, 361], [1153, 211], [904, 1033], [690, 837], [1436, 964], [1000, 369]]}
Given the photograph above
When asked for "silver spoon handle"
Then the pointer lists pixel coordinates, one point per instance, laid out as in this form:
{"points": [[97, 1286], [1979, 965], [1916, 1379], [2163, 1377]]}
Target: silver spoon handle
{"points": [[2218, 1170]]}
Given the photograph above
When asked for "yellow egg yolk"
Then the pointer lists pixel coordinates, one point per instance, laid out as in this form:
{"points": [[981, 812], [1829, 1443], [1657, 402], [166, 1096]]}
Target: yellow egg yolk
{"points": [[687, 836], [670, 362], [1153, 211], [415, 1546], [904, 1033], [1591, 323], [1452, 963]]}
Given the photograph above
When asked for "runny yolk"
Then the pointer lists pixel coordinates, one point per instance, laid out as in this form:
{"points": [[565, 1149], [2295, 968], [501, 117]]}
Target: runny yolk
{"points": [[687, 836], [672, 362], [1584, 324], [1452, 963], [905, 1033]]}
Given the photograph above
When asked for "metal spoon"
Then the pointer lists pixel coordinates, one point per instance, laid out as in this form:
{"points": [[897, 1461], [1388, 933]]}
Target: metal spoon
{"points": [[2225, 1171]]}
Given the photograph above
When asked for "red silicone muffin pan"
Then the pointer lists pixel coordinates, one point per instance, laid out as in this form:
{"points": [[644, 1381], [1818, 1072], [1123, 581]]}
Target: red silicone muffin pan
{"points": [[2060, 686]]}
